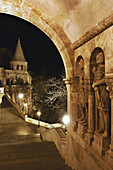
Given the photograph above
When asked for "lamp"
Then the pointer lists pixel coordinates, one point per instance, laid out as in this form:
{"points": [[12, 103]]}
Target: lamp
{"points": [[20, 95], [38, 114], [66, 120], [25, 106]]}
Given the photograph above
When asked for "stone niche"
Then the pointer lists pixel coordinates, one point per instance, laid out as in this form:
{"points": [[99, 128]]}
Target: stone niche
{"points": [[101, 102], [82, 98]]}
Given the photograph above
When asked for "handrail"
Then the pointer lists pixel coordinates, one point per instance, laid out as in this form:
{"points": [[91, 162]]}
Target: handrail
{"points": [[15, 106], [44, 124]]}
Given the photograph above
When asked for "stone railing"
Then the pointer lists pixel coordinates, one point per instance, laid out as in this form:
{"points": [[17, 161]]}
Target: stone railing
{"points": [[15, 106], [44, 124], [51, 132], [57, 136]]}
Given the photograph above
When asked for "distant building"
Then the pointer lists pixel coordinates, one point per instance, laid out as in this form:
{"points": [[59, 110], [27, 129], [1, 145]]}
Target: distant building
{"points": [[18, 69], [17, 77]]}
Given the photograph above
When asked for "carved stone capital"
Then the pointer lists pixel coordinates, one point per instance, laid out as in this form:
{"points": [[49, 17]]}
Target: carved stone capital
{"points": [[72, 83], [69, 80]]}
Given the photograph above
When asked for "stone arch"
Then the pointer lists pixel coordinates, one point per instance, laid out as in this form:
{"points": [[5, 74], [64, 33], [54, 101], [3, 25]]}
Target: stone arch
{"points": [[11, 82], [53, 30], [8, 81], [17, 67], [21, 67], [77, 68]]}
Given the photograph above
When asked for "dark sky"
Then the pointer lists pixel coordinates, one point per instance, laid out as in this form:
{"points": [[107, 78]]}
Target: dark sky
{"points": [[38, 49]]}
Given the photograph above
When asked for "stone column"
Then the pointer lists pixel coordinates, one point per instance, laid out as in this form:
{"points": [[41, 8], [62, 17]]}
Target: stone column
{"points": [[72, 111], [109, 82], [91, 116], [19, 67], [72, 103], [1, 93], [91, 112]]}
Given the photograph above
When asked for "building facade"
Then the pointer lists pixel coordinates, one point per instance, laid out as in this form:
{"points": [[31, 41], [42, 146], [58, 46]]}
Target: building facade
{"points": [[17, 80]]}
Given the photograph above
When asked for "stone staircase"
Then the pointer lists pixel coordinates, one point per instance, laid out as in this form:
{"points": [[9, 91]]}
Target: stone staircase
{"points": [[29, 152], [21, 148]]}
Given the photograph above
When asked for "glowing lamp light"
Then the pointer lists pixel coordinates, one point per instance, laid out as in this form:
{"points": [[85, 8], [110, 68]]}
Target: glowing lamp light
{"points": [[20, 96], [38, 113], [25, 104], [66, 119]]}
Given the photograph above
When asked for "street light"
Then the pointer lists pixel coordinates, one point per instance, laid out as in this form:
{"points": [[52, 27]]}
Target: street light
{"points": [[66, 120], [20, 95], [38, 114], [25, 107]]}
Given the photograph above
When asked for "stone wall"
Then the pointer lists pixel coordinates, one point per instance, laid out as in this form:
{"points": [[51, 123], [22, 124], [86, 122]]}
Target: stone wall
{"points": [[85, 149]]}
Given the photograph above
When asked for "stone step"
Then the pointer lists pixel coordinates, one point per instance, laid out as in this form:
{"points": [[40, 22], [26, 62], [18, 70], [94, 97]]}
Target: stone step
{"points": [[41, 160], [31, 156], [34, 167], [21, 148], [19, 139], [32, 146], [30, 149], [25, 155]]}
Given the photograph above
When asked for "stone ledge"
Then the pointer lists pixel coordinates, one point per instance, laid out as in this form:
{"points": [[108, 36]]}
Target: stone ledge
{"points": [[99, 28]]}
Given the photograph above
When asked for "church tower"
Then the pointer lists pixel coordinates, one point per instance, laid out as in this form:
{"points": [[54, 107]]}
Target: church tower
{"points": [[18, 61]]}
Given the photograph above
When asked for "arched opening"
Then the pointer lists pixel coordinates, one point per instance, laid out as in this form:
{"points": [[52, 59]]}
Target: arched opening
{"points": [[93, 61], [40, 52], [7, 81], [21, 67], [17, 67], [11, 82], [14, 29], [52, 29], [77, 71]]}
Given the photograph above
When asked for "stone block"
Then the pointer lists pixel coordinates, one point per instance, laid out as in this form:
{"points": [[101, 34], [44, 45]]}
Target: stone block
{"points": [[100, 144], [89, 137], [1, 129], [82, 130]]}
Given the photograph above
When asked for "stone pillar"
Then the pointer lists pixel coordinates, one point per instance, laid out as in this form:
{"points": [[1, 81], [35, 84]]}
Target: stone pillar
{"points": [[1, 93], [109, 82], [14, 67], [111, 146], [13, 97], [19, 67], [91, 116], [83, 125], [72, 111], [91, 113], [72, 103]]}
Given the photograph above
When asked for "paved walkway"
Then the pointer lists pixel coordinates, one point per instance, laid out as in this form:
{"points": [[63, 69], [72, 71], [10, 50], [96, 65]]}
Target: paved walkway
{"points": [[11, 122]]}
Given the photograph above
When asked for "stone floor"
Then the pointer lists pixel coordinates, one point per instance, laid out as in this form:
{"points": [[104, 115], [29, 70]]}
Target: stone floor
{"points": [[21, 148]]}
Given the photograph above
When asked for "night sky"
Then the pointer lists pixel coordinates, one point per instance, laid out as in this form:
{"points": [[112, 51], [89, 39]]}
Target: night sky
{"points": [[39, 50]]}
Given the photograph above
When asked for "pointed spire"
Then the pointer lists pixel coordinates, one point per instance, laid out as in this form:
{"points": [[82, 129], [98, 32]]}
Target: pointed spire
{"points": [[19, 55]]}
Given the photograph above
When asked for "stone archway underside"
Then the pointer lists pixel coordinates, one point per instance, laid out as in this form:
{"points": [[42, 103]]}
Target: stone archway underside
{"points": [[53, 30]]}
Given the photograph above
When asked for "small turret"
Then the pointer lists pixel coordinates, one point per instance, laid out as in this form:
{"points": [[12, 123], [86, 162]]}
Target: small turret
{"points": [[18, 61]]}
